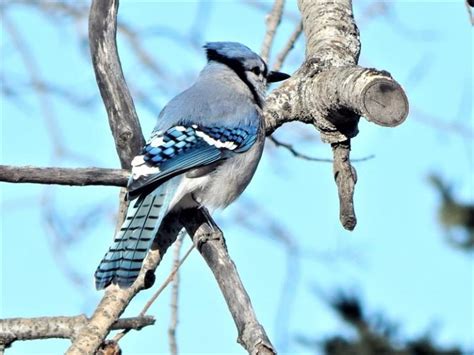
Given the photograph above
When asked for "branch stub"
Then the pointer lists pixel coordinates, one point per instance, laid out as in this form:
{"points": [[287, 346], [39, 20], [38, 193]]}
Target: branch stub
{"points": [[385, 103]]}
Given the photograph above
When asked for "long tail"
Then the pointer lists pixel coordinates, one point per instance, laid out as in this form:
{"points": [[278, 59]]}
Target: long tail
{"points": [[122, 263]]}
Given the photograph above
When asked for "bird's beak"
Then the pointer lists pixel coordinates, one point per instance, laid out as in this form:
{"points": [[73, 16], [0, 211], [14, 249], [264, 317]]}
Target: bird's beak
{"points": [[274, 76]]}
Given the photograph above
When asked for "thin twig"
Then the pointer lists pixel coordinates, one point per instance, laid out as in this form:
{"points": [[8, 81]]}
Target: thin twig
{"points": [[345, 176], [166, 282], [297, 154], [288, 46], [174, 299], [273, 20], [153, 298]]}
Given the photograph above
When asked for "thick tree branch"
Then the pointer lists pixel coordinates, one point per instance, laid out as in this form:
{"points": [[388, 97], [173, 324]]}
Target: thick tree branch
{"points": [[123, 119], [14, 329], [330, 30], [333, 99], [129, 140], [64, 176], [330, 91], [210, 242]]}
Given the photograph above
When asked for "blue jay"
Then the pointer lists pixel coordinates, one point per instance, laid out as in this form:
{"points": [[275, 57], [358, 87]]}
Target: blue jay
{"points": [[203, 152]]}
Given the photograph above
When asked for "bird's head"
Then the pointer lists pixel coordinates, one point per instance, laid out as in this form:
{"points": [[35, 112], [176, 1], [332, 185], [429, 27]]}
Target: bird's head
{"points": [[248, 65]]}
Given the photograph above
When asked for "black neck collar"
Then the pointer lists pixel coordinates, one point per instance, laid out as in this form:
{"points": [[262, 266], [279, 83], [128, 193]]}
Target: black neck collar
{"points": [[238, 68]]}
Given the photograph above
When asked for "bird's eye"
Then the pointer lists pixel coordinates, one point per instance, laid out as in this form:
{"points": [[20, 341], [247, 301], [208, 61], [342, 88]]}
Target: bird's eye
{"points": [[256, 70]]}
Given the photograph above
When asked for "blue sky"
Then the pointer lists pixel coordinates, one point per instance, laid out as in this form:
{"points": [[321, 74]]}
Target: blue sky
{"points": [[396, 259]]}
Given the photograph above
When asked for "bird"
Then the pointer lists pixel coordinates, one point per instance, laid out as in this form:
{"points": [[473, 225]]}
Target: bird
{"points": [[203, 152]]}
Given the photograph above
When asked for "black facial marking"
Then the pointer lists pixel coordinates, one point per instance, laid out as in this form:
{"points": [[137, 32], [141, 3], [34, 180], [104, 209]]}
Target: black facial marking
{"points": [[237, 67]]}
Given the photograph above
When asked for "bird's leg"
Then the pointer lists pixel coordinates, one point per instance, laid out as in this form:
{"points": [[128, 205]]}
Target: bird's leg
{"points": [[201, 227], [210, 230]]}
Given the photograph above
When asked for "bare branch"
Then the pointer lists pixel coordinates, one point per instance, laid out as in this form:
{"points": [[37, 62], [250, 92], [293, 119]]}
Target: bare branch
{"points": [[273, 20], [166, 282], [126, 130], [174, 299], [172, 276], [331, 92], [332, 99], [123, 119], [346, 177], [64, 176], [14, 329], [116, 299], [297, 154], [128, 138], [288, 46], [210, 242]]}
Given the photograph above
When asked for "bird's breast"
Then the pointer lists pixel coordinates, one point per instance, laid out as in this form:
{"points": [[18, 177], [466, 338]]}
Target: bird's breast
{"points": [[230, 178]]}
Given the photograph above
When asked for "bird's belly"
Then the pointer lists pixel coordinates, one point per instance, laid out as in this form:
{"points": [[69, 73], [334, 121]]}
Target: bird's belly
{"points": [[220, 187], [230, 179]]}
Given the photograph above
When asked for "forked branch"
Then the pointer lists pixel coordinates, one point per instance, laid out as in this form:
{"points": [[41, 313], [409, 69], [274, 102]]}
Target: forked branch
{"points": [[129, 140], [330, 91]]}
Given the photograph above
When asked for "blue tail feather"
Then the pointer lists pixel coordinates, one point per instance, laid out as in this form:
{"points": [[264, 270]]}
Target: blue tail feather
{"points": [[122, 263]]}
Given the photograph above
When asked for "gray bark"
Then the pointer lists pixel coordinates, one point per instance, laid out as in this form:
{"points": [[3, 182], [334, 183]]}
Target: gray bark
{"points": [[116, 299], [123, 119], [328, 91], [210, 242], [14, 329], [64, 176]]}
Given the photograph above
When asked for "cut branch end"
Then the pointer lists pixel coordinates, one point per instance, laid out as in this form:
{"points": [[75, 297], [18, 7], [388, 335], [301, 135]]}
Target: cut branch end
{"points": [[385, 103]]}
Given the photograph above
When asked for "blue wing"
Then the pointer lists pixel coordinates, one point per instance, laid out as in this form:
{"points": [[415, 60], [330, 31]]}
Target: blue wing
{"points": [[185, 147]]}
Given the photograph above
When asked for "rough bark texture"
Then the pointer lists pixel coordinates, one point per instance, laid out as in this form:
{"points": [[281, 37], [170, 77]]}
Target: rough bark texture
{"points": [[333, 98], [116, 299], [102, 30], [346, 177], [129, 140], [64, 176], [14, 329], [328, 91], [211, 244], [123, 119]]}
